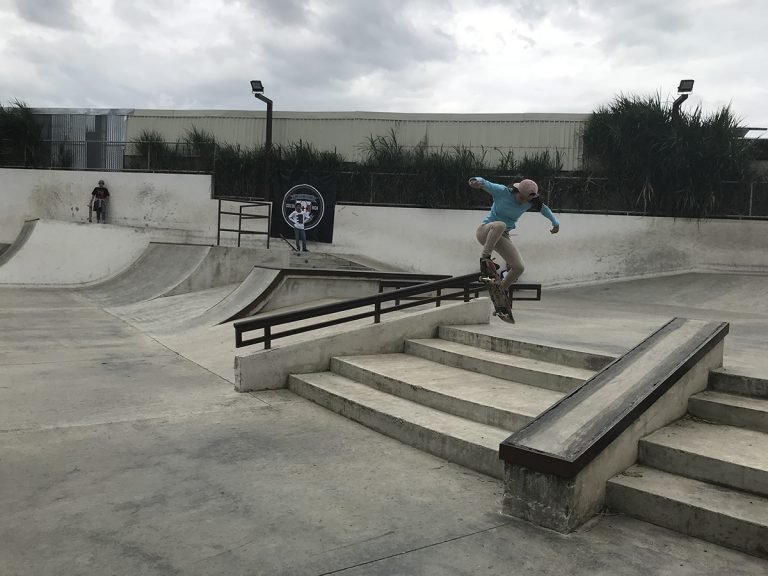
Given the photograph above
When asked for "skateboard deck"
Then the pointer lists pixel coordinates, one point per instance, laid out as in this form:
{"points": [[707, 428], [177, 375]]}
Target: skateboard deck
{"points": [[499, 297]]}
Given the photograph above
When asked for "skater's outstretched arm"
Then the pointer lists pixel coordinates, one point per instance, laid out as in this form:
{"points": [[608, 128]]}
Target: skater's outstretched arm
{"points": [[492, 188], [537, 205]]}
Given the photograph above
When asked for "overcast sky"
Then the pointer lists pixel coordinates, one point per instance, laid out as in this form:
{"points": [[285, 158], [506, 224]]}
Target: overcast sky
{"points": [[462, 56]]}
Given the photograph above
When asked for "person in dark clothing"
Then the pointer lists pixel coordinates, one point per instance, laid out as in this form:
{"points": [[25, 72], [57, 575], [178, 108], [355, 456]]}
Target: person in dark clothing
{"points": [[99, 198]]}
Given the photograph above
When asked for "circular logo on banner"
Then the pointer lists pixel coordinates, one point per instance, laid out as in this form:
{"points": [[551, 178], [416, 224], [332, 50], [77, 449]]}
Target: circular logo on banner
{"points": [[310, 201]]}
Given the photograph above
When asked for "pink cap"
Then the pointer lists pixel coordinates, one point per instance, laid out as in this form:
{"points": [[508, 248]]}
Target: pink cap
{"points": [[527, 188]]}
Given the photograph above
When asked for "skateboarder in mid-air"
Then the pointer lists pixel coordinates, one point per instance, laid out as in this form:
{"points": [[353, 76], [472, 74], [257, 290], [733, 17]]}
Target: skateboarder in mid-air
{"points": [[509, 203]]}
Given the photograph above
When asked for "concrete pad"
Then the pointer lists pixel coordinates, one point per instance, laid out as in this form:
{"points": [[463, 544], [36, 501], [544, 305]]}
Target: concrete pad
{"points": [[96, 391], [280, 487], [29, 298], [61, 335], [287, 488]]}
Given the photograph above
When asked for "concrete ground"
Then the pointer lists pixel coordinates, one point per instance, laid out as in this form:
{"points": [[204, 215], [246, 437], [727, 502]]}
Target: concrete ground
{"points": [[118, 455]]}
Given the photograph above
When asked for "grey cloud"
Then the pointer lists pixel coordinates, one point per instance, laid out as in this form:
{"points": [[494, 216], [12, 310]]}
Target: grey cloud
{"points": [[135, 13], [372, 38], [281, 12], [51, 13]]}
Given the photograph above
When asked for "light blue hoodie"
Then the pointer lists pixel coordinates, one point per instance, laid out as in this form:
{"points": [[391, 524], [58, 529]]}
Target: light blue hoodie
{"points": [[505, 207]]}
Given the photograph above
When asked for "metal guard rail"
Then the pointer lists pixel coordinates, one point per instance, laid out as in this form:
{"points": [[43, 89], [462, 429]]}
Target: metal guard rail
{"points": [[465, 286]]}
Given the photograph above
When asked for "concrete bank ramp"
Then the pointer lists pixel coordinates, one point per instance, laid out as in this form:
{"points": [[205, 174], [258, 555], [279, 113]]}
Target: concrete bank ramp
{"points": [[200, 308], [160, 269], [224, 266], [11, 250], [48, 252]]}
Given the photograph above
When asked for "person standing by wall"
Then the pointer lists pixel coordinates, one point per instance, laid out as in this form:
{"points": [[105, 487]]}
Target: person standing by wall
{"points": [[99, 199], [298, 217]]}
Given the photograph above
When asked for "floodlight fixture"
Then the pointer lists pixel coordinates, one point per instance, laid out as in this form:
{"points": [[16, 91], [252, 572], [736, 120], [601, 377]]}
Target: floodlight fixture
{"points": [[686, 86], [257, 87]]}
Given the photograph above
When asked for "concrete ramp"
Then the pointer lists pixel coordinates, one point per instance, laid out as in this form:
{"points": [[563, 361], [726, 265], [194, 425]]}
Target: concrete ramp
{"points": [[11, 250], [222, 266], [200, 308], [255, 287], [159, 269], [48, 252]]}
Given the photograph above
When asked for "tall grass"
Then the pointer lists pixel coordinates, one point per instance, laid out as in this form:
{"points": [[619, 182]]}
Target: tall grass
{"points": [[662, 163]]}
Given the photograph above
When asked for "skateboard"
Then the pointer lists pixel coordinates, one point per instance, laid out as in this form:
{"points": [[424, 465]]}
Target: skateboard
{"points": [[503, 307]]}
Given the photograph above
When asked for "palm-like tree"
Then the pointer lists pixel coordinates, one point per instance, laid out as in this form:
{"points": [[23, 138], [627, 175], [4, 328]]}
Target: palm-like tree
{"points": [[663, 163], [20, 136]]}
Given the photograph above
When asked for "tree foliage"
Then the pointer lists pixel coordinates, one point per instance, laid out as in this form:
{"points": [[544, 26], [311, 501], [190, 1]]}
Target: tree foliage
{"points": [[664, 163], [20, 136]]}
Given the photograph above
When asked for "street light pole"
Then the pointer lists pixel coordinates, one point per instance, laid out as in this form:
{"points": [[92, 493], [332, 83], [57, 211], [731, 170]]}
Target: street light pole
{"points": [[684, 89], [258, 91]]}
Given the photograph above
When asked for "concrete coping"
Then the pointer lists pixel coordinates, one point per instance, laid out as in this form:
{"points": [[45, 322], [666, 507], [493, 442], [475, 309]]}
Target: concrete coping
{"points": [[574, 431]]}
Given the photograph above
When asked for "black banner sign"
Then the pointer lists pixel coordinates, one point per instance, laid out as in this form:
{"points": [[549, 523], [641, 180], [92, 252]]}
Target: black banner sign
{"points": [[316, 195]]}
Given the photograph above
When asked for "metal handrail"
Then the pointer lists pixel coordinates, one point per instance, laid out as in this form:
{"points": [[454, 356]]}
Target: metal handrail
{"points": [[464, 286], [245, 203]]}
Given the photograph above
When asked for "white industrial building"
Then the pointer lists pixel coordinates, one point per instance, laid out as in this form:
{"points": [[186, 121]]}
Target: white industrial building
{"points": [[345, 132]]}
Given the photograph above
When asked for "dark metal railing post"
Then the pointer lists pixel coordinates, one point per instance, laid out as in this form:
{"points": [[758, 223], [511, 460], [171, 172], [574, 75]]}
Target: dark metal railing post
{"points": [[439, 294], [218, 228], [239, 225], [377, 312], [267, 337]]}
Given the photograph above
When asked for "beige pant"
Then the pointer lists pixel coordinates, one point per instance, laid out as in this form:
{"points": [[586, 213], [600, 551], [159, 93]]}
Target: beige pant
{"points": [[494, 236]]}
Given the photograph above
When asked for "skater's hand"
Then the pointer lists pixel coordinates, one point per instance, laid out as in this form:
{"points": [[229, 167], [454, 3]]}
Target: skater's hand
{"points": [[475, 183], [555, 230]]}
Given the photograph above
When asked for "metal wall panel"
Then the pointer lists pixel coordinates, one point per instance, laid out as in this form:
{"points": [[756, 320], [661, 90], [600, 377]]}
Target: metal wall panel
{"points": [[349, 132], [114, 141], [86, 138], [68, 134]]}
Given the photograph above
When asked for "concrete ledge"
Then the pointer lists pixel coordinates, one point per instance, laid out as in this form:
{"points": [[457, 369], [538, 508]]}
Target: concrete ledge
{"points": [[557, 466], [269, 369]]}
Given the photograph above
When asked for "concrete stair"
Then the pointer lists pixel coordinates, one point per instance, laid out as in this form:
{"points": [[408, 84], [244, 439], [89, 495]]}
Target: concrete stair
{"points": [[706, 475], [731, 409], [535, 372], [446, 396], [566, 357]]}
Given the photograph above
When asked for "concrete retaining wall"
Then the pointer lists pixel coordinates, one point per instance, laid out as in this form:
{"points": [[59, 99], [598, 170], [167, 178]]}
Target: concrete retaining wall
{"points": [[171, 201], [589, 248]]}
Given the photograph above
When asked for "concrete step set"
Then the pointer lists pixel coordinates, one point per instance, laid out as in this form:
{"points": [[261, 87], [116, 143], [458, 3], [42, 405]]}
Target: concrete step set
{"points": [[461, 394], [456, 396], [707, 474]]}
